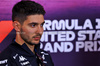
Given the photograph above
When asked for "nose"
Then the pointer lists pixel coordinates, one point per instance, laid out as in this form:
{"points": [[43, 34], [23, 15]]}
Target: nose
{"points": [[40, 30]]}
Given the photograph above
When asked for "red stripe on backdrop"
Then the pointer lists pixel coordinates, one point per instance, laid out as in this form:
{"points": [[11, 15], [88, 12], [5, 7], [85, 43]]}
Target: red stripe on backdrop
{"points": [[5, 28]]}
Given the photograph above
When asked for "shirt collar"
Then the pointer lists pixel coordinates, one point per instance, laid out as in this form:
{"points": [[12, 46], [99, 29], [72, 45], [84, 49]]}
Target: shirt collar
{"points": [[23, 49]]}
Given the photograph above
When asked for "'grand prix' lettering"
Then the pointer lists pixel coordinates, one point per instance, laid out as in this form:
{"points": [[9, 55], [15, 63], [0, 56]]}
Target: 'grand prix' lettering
{"points": [[86, 46]]}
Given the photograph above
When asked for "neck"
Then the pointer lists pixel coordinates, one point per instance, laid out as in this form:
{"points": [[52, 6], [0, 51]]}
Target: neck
{"points": [[20, 41], [31, 47]]}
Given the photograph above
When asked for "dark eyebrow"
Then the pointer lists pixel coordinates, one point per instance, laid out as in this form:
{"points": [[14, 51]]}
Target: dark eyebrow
{"points": [[35, 23], [43, 22]]}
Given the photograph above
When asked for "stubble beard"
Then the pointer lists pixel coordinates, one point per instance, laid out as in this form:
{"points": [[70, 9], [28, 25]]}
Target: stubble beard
{"points": [[26, 39]]}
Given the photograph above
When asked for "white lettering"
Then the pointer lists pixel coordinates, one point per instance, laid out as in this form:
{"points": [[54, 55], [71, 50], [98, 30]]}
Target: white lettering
{"points": [[87, 24], [69, 27], [98, 23], [79, 45], [59, 47], [70, 35], [77, 27], [68, 47], [3, 61], [48, 47]]}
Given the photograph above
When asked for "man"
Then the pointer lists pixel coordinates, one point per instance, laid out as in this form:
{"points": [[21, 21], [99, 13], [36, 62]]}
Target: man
{"points": [[28, 20]]}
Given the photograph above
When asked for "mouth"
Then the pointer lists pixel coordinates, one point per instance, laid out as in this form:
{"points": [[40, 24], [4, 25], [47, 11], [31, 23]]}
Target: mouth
{"points": [[37, 38]]}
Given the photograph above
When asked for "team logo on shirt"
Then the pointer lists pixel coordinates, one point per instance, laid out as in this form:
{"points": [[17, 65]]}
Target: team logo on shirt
{"points": [[23, 61], [21, 58], [3, 61], [43, 56], [15, 56]]}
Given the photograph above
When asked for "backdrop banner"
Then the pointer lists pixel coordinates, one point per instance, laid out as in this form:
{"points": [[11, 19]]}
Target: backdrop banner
{"points": [[71, 30]]}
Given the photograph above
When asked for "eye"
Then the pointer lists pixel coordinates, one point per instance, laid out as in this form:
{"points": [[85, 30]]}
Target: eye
{"points": [[42, 25], [33, 25]]}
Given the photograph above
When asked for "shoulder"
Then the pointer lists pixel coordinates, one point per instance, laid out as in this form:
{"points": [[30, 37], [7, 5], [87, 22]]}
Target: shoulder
{"points": [[7, 52], [5, 55]]}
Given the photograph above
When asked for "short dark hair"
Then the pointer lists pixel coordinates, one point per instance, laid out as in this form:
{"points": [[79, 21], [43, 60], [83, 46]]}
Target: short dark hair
{"points": [[23, 9]]}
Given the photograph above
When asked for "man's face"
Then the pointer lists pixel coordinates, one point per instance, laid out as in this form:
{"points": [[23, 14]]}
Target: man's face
{"points": [[32, 29]]}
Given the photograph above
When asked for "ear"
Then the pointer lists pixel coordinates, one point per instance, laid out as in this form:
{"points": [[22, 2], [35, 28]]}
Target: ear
{"points": [[17, 26]]}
